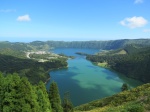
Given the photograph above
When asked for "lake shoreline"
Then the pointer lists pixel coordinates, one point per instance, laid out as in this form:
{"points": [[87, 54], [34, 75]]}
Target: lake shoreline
{"points": [[90, 80]]}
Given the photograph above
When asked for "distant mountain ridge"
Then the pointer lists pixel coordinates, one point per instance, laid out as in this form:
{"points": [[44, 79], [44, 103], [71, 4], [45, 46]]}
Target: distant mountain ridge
{"points": [[111, 44], [46, 45]]}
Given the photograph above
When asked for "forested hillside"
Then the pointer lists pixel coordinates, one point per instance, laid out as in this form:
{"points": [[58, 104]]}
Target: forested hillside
{"points": [[13, 52], [19, 95], [13, 59], [112, 44], [134, 64], [18, 73], [15, 46], [41, 45], [134, 100], [33, 70]]}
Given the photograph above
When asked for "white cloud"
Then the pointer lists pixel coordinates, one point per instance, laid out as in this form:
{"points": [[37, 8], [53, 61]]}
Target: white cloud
{"points": [[138, 1], [7, 10], [146, 30], [134, 22], [24, 18]]}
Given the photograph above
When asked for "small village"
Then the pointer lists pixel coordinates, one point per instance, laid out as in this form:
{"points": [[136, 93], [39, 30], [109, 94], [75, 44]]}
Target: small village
{"points": [[50, 55]]}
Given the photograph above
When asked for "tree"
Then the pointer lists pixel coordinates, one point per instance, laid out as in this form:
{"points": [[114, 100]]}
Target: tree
{"points": [[54, 97], [27, 96], [67, 104], [42, 98], [18, 95], [124, 87], [9, 94], [1, 89]]}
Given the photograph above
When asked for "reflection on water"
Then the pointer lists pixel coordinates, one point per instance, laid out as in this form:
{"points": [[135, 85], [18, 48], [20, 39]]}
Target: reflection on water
{"points": [[86, 81]]}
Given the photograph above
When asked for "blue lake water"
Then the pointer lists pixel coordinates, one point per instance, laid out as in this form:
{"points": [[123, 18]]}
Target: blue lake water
{"points": [[84, 80]]}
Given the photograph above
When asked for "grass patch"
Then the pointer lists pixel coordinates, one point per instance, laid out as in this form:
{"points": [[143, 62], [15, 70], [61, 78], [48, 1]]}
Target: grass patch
{"points": [[103, 64], [122, 52]]}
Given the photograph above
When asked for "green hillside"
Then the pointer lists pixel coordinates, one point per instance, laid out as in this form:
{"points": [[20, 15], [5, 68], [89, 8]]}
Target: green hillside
{"points": [[13, 59], [47, 45], [132, 59], [135, 63], [17, 94], [111, 44], [134, 100], [32, 69]]}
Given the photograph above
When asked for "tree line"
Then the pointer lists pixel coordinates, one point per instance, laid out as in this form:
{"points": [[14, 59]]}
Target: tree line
{"points": [[135, 64], [46, 45], [19, 95], [33, 70]]}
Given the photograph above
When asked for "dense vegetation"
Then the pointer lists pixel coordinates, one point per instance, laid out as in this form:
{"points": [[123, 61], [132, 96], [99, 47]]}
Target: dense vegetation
{"points": [[40, 45], [19, 95], [13, 59], [12, 52], [112, 44], [135, 64], [33, 70], [55, 98], [19, 46], [134, 100]]}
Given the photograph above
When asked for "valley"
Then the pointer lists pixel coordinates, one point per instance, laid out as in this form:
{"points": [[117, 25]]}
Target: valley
{"points": [[83, 71]]}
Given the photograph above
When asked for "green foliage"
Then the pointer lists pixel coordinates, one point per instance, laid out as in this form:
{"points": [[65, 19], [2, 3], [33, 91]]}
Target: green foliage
{"points": [[39, 45], [33, 70], [124, 87], [127, 107], [12, 52], [67, 104], [135, 65], [136, 98], [18, 95], [55, 98], [113, 44], [17, 46], [42, 98], [134, 108]]}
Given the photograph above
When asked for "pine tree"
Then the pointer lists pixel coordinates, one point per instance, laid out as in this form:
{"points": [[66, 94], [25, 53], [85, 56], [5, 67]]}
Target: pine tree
{"points": [[18, 95], [55, 98], [1, 89], [27, 97], [43, 98], [124, 87], [8, 96], [67, 104]]}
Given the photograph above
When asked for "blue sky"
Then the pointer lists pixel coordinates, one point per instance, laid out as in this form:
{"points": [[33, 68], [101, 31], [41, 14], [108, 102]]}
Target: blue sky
{"points": [[28, 20]]}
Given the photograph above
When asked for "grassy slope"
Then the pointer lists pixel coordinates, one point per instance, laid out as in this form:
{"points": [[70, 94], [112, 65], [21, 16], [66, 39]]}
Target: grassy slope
{"points": [[137, 98], [134, 64], [103, 64], [13, 60]]}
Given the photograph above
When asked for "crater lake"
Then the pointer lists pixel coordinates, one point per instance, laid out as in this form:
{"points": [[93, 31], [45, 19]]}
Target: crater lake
{"points": [[85, 81]]}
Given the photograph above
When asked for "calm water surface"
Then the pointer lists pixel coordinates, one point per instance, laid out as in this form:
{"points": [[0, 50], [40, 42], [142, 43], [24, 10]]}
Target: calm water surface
{"points": [[84, 80]]}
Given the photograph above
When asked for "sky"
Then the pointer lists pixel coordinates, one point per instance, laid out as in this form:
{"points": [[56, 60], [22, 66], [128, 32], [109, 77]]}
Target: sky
{"points": [[70, 20]]}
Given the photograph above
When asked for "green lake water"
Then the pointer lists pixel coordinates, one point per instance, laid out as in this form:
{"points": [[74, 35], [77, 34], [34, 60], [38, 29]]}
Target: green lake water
{"points": [[84, 80]]}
